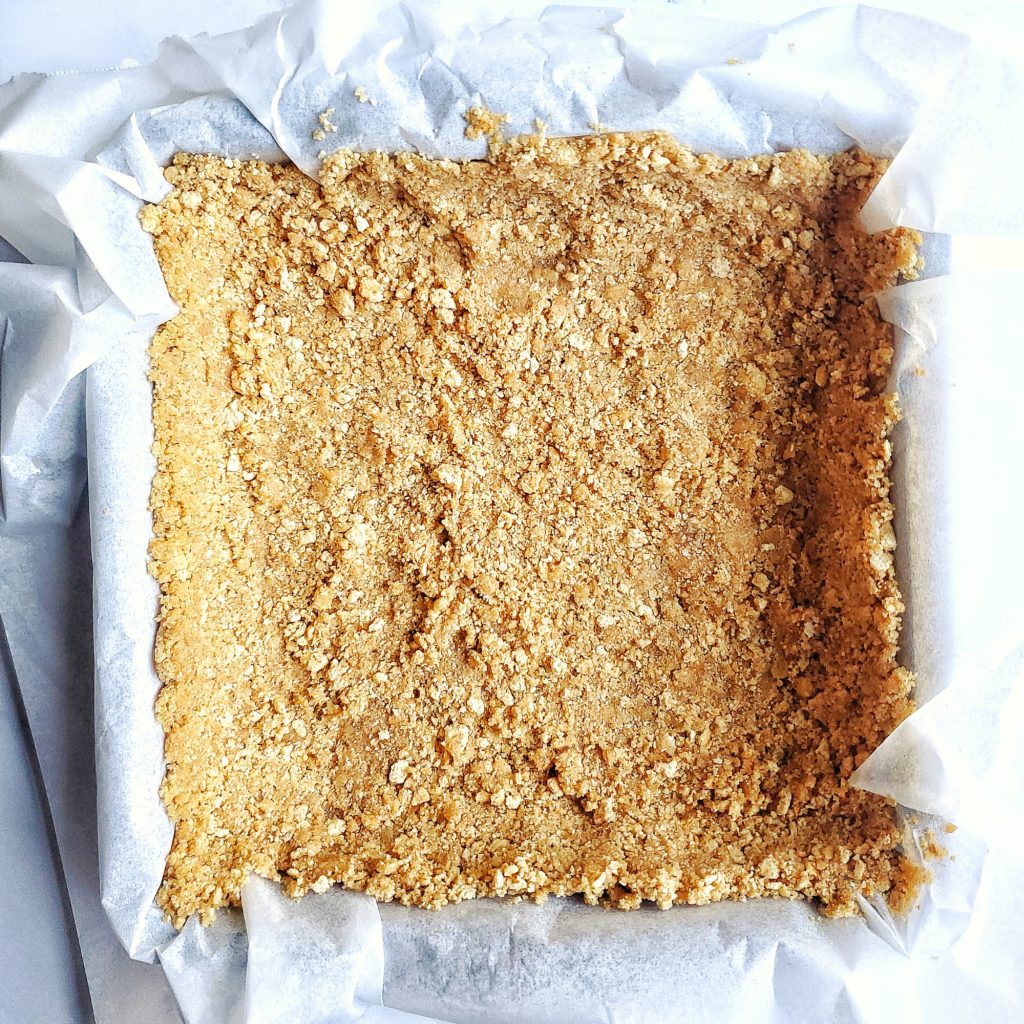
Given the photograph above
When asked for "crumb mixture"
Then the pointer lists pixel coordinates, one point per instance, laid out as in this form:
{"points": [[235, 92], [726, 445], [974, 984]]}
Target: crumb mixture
{"points": [[522, 526]]}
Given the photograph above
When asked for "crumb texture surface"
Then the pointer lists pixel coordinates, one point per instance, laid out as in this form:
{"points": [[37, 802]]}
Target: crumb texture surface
{"points": [[522, 526]]}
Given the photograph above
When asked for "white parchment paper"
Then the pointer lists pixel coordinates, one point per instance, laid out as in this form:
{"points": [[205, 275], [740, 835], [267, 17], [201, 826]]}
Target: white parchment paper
{"points": [[78, 156]]}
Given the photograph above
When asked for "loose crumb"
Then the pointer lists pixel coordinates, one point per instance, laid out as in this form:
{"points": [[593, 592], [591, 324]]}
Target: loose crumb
{"points": [[324, 117], [326, 125], [522, 526], [482, 123], [361, 95], [931, 848]]}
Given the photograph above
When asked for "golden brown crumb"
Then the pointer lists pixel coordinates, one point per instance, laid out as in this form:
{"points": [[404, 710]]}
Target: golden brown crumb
{"points": [[482, 123], [326, 125], [522, 526], [931, 848]]}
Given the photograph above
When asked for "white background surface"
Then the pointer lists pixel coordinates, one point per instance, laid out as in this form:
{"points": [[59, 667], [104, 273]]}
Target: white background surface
{"points": [[40, 982], [75, 35], [71, 35]]}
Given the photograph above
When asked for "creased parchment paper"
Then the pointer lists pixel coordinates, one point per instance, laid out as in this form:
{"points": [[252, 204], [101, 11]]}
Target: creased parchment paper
{"points": [[78, 156]]}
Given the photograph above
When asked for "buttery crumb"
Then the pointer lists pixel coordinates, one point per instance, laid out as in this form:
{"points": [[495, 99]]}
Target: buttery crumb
{"points": [[931, 848], [326, 125], [482, 123], [510, 540]]}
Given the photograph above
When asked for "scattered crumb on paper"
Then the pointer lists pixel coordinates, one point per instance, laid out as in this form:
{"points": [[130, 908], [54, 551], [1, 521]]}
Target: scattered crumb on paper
{"points": [[326, 125], [482, 123]]}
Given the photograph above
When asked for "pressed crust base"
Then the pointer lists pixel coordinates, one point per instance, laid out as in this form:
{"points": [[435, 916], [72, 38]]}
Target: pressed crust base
{"points": [[522, 526]]}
